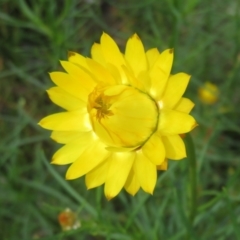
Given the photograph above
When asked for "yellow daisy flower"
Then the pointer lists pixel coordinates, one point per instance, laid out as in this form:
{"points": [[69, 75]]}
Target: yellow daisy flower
{"points": [[124, 114]]}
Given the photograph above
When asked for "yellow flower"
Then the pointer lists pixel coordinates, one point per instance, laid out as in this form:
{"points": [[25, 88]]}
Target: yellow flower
{"points": [[208, 93], [124, 114]]}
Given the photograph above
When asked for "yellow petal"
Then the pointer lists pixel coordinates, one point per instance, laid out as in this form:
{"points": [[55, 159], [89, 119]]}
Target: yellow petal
{"points": [[175, 88], [154, 150], [119, 168], [93, 155], [73, 150], [145, 79], [172, 122], [152, 55], [100, 73], [133, 81], [64, 99], [79, 75], [160, 72], [67, 121], [98, 175], [65, 137], [77, 59], [135, 55], [115, 90], [146, 172], [163, 166], [174, 146], [119, 149], [77, 88], [184, 105], [97, 55], [111, 51], [112, 54], [116, 74], [132, 184]]}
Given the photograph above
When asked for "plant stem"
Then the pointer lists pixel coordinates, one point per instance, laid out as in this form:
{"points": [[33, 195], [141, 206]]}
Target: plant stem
{"points": [[192, 174]]}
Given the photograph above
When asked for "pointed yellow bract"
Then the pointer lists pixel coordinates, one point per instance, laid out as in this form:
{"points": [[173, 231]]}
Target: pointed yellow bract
{"points": [[174, 146], [98, 175], [66, 136], [118, 171], [160, 73], [77, 59], [184, 105], [91, 157], [73, 149], [149, 149], [97, 55], [124, 114], [65, 100], [152, 56], [67, 121], [135, 55], [146, 172], [175, 88], [132, 184]]}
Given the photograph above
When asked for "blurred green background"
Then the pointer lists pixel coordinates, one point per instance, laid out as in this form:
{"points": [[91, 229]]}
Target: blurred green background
{"points": [[34, 36]]}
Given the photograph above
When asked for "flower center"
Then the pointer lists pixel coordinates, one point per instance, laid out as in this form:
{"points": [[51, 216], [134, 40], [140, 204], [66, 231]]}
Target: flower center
{"points": [[102, 105], [122, 116]]}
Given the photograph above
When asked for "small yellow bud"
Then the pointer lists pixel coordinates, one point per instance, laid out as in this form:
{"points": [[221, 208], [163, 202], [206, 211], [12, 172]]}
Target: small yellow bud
{"points": [[209, 93]]}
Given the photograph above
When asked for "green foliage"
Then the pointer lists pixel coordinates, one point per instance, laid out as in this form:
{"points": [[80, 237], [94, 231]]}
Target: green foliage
{"points": [[34, 35]]}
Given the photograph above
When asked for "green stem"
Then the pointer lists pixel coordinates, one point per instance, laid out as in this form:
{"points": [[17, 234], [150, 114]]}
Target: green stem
{"points": [[192, 174]]}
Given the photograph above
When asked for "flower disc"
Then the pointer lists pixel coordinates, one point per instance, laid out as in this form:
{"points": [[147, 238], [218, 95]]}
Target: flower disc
{"points": [[122, 116]]}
